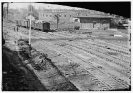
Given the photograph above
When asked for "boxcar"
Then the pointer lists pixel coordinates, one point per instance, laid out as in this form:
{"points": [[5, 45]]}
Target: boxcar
{"points": [[45, 27]]}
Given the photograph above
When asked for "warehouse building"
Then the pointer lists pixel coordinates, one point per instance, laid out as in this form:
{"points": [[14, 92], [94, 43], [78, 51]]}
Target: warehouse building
{"points": [[94, 21]]}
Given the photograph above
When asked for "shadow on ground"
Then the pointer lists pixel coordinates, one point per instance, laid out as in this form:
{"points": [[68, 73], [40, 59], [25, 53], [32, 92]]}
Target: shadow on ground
{"points": [[14, 78]]}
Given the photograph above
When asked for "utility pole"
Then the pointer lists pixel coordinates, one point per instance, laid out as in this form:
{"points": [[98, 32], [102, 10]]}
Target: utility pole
{"points": [[30, 13], [30, 10], [30, 32], [129, 32]]}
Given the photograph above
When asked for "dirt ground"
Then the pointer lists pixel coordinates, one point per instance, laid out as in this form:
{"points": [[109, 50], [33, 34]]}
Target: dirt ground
{"points": [[93, 62]]}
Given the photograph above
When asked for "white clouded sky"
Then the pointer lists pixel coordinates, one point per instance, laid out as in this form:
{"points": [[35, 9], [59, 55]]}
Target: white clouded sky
{"points": [[37, 5]]}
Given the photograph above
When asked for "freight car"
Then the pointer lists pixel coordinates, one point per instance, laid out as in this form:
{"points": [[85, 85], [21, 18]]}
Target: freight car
{"points": [[42, 26]]}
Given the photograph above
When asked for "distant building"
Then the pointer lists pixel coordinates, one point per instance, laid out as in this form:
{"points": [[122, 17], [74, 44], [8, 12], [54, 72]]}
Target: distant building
{"points": [[94, 21], [66, 15], [48, 15]]}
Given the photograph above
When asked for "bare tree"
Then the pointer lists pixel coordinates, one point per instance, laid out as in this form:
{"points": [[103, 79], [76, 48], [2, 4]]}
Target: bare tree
{"points": [[57, 17]]}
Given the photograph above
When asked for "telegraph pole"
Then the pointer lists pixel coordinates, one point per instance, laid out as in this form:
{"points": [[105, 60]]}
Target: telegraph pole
{"points": [[30, 26], [129, 32], [30, 32], [30, 8]]}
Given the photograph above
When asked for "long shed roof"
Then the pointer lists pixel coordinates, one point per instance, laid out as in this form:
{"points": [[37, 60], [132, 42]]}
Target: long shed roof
{"points": [[93, 16]]}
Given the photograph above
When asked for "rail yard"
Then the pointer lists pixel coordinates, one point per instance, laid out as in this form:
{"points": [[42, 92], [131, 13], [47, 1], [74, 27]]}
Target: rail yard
{"points": [[90, 62]]}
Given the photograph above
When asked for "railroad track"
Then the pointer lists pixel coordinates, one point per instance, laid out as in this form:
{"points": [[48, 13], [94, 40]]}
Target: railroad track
{"points": [[100, 83], [93, 77], [123, 50], [102, 51], [114, 58], [98, 61], [105, 48], [70, 50], [101, 43], [107, 58], [84, 52], [125, 60], [117, 44], [125, 85]]}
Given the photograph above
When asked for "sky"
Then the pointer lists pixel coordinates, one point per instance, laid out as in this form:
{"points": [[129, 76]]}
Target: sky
{"points": [[37, 5]]}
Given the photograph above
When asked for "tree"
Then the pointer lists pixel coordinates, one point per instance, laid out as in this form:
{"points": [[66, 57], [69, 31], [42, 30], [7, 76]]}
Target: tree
{"points": [[57, 17]]}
